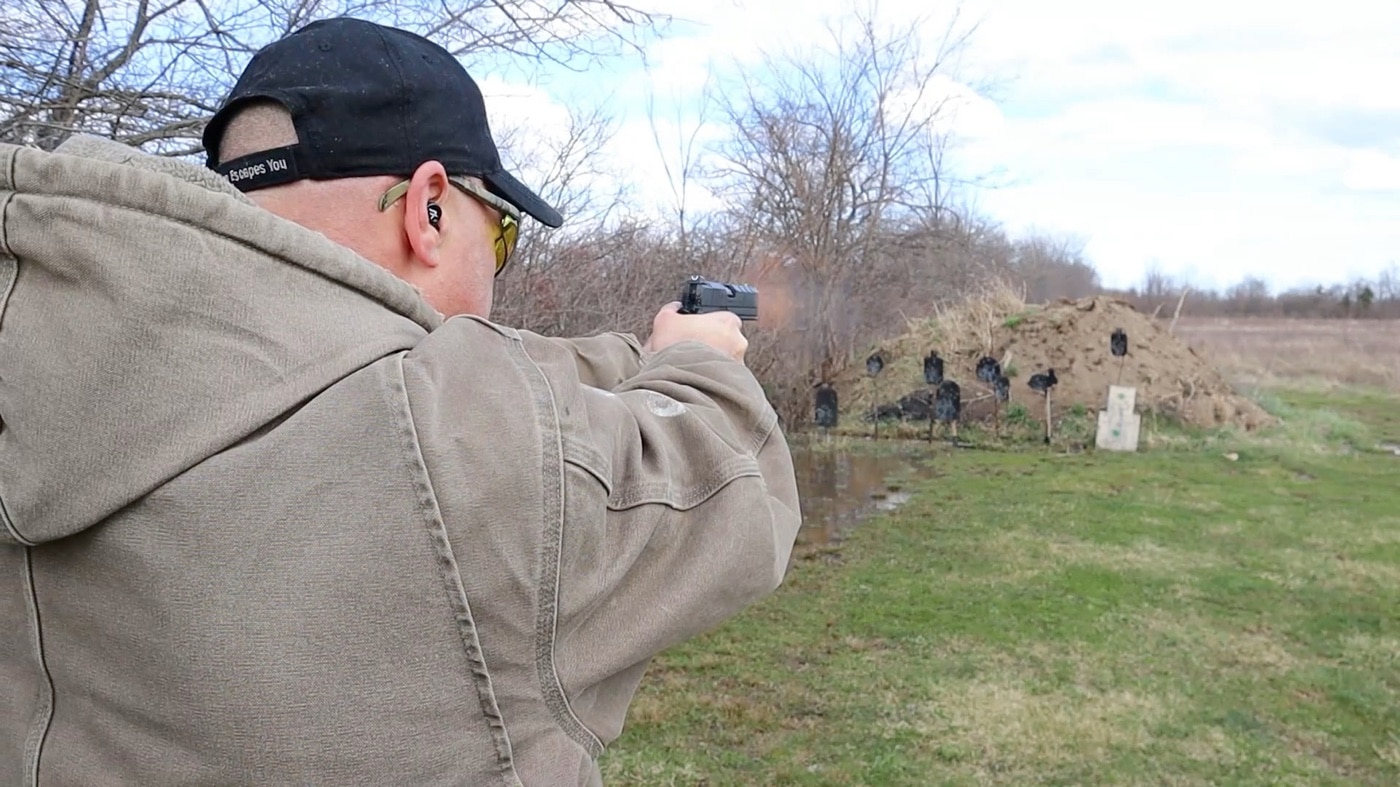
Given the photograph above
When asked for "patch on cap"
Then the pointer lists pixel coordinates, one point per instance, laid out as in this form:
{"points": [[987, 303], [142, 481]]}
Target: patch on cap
{"points": [[262, 169]]}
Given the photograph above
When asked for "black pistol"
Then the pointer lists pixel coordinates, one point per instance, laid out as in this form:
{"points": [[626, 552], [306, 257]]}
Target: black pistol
{"points": [[702, 295]]}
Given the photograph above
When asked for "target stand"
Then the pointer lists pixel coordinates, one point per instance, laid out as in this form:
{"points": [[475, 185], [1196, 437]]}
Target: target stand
{"points": [[1119, 423]]}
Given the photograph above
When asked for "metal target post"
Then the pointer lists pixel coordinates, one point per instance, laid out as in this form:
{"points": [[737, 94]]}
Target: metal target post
{"points": [[947, 405], [827, 409], [873, 366], [1042, 383], [1002, 389], [988, 371], [933, 377]]}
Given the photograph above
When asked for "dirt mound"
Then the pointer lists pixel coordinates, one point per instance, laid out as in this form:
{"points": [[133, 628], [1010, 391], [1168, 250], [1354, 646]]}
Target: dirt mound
{"points": [[1071, 337]]}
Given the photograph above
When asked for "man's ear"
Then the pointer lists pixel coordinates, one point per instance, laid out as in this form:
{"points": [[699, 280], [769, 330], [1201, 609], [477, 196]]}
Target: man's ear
{"points": [[426, 191]]}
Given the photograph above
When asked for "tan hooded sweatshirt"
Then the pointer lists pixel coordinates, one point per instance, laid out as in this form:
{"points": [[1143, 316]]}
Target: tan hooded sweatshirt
{"points": [[266, 518]]}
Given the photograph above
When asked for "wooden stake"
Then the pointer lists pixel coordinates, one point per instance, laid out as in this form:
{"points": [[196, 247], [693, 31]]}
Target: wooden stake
{"points": [[875, 403], [1172, 328]]}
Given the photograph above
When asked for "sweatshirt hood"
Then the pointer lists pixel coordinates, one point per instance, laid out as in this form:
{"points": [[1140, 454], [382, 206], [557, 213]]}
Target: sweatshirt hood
{"points": [[152, 316]]}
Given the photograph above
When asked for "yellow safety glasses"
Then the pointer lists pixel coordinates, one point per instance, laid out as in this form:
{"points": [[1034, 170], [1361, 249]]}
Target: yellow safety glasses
{"points": [[507, 232]]}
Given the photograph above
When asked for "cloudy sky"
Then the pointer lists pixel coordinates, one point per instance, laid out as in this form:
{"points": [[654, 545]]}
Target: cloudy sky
{"points": [[1213, 139]]}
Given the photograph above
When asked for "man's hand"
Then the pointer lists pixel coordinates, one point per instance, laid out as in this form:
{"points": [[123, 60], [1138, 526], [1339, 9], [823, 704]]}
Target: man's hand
{"points": [[720, 330]]}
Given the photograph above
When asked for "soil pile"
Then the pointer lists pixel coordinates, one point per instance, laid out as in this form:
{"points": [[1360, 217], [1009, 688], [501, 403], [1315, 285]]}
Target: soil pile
{"points": [[1071, 337]]}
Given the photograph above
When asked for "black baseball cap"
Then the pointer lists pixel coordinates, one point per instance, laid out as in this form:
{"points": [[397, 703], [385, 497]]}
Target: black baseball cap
{"points": [[366, 99]]}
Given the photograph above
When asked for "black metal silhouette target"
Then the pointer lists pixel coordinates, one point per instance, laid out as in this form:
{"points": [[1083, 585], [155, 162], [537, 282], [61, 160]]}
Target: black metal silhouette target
{"points": [[1042, 383], [874, 364], [1118, 343], [947, 403], [826, 411], [933, 369], [988, 370]]}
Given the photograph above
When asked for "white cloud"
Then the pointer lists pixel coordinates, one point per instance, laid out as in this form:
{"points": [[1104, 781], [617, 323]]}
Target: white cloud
{"points": [[1234, 53], [1276, 158], [680, 66], [1206, 136], [530, 125], [1371, 170], [1188, 134], [957, 107], [1218, 235], [526, 120], [636, 154]]}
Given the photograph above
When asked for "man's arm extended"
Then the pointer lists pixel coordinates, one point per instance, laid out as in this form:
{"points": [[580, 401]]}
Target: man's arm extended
{"points": [[628, 520], [681, 510]]}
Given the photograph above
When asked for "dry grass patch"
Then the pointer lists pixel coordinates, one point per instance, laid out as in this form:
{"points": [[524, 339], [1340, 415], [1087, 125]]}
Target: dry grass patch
{"points": [[1144, 555], [1214, 647], [1010, 729], [1374, 649], [1329, 567], [967, 329], [1266, 351], [1288, 581], [1390, 751], [1211, 745], [1021, 556], [1025, 555]]}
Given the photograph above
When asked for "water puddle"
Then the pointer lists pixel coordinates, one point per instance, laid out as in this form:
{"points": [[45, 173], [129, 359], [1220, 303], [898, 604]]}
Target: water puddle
{"points": [[838, 490]]}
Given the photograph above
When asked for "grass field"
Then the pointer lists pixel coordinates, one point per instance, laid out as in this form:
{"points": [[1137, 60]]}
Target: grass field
{"points": [[1226, 613], [1263, 350]]}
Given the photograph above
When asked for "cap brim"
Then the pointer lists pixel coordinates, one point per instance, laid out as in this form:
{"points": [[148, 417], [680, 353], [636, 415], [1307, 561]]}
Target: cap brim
{"points": [[515, 192]]}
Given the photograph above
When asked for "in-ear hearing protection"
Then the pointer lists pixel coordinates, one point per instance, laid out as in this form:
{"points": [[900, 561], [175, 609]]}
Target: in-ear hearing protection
{"points": [[434, 214]]}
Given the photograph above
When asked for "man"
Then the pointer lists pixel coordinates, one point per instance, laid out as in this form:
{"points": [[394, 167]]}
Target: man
{"points": [[280, 505]]}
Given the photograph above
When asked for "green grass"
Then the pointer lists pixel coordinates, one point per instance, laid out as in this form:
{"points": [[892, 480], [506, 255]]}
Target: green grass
{"points": [[1014, 320], [1361, 415], [1172, 617]]}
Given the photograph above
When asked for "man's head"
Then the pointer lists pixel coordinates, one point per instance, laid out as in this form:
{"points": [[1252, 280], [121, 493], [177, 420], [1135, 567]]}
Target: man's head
{"points": [[378, 139]]}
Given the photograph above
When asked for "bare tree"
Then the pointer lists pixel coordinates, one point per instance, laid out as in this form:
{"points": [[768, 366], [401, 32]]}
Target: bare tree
{"points": [[1388, 284], [568, 170], [682, 171], [833, 153], [150, 73], [1250, 296], [567, 167], [1051, 267], [1158, 291]]}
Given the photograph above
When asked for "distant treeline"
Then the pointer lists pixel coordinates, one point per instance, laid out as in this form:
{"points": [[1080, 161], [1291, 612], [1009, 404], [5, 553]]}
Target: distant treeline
{"points": [[1362, 298]]}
